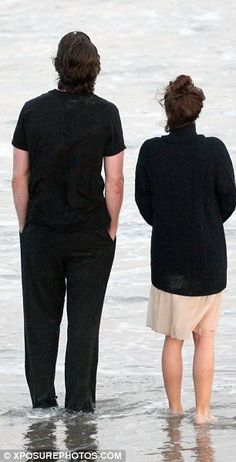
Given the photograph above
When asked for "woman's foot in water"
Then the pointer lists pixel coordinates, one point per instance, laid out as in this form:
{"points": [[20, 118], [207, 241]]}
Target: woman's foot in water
{"points": [[176, 411], [205, 418]]}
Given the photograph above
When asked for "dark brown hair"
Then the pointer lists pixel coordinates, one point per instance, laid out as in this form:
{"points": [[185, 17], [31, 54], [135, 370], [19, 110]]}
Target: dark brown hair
{"points": [[182, 101], [77, 63]]}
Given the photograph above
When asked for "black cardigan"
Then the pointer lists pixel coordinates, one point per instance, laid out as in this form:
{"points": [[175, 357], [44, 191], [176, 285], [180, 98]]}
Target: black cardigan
{"points": [[185, 189]]}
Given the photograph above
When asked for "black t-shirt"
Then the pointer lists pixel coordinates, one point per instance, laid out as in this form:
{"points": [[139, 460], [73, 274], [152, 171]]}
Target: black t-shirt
{"points": [[67, 135]]}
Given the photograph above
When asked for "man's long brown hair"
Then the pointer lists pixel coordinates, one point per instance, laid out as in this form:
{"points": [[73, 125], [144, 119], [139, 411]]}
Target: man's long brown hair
{"points": [[77, 63]]}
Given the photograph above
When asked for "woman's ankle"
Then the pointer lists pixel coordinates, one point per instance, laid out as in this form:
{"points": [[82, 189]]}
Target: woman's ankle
{"points": [[203, 411], [176, 408]]}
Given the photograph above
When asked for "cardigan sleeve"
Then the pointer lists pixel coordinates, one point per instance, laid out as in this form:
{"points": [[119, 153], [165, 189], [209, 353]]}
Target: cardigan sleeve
{"points": [[143, 196], [225, 182]]}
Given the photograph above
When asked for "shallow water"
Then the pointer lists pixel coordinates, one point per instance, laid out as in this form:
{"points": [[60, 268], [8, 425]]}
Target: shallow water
{"points": [[143, 46]]}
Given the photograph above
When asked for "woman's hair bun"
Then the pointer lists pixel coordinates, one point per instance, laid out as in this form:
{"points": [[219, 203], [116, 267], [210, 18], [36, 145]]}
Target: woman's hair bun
{"points": [[183, 102], [181, 84]]}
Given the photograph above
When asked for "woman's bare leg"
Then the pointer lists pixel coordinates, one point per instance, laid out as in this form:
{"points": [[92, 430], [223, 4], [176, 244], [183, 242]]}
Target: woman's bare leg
{"points": [[172, 369], [203, 373]]}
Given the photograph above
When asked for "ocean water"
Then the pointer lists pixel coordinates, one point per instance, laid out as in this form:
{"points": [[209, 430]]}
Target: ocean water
{"points": [[142, 45]]}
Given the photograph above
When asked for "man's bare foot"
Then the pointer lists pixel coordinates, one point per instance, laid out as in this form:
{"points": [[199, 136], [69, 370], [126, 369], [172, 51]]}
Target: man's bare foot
{"points": [[204, 419]]}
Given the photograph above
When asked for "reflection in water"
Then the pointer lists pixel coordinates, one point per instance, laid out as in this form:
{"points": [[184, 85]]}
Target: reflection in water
{"points": [[41, 436], [174, 447], [204, 451], [80, 435]]}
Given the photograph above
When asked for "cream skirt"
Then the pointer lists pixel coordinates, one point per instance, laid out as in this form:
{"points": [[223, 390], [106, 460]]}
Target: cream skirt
{"points": [[179, 315]]}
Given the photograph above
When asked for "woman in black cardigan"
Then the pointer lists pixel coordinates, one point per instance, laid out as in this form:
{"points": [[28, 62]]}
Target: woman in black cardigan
{"points": [[185, 189]]}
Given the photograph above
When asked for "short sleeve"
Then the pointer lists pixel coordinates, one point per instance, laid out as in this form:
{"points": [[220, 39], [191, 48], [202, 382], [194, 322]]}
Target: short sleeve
{"points": [[19, 136], [115, 139]]}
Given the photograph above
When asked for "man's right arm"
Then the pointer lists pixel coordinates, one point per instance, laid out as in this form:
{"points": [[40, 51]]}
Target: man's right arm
{"points": [[20, 184]]}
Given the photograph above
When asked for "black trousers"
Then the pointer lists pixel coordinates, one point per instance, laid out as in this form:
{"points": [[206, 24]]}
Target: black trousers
{"points": [[55, 263]]}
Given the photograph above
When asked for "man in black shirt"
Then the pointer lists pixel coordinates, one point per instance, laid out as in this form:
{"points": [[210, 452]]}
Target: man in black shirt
{"points": [[67, 227]]}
